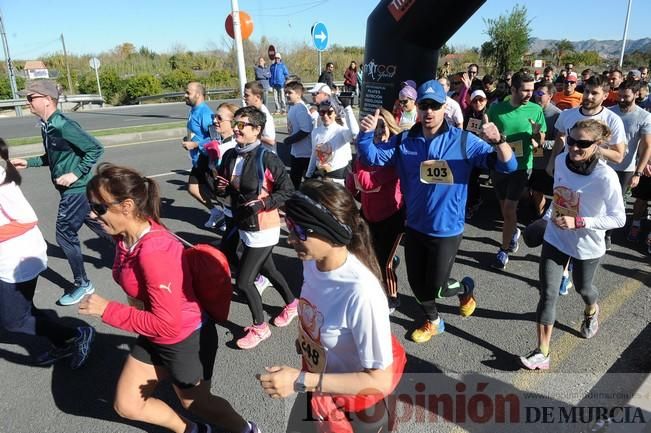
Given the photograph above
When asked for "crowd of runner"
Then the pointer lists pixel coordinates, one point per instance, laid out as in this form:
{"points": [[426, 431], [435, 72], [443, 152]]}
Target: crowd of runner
{"points": [[414, 180]]}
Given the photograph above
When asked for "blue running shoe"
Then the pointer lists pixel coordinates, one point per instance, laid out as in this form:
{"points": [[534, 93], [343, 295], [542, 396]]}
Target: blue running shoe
{"points": [[77, 294], [81, 346], [514, 245], [501, 259]]}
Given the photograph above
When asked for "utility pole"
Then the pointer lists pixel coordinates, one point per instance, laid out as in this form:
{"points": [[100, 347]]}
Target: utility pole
{"points": [[628, 15], [237, 31], [65, 56], [10, 66]]}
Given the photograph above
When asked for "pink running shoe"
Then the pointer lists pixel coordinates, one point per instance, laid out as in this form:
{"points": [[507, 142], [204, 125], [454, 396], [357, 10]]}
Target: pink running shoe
{"points": [[287, 315], [254, 335]]}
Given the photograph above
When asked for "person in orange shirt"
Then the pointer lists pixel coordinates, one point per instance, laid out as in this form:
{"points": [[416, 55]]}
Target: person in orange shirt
{"points": [[569, 97], [615, 78]]}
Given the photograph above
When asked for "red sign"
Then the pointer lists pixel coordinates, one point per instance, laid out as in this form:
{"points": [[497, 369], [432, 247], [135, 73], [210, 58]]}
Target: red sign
{"points": [[399, 8], [271, 52]]}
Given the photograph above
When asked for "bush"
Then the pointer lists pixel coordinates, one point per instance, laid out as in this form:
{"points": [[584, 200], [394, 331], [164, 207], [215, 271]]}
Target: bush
{"points": [[141, 85], [177, 79], [221, 78]]}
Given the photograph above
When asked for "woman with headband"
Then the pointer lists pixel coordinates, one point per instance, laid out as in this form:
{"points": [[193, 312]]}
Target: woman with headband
{"points": [[350, 359]]}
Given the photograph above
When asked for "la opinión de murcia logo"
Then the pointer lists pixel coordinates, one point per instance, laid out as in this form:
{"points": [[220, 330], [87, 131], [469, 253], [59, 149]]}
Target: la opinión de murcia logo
{"points": [[379, 72]]}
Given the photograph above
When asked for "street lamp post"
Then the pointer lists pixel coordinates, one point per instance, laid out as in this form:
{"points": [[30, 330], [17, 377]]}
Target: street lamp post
{"points": [[628, 15]]}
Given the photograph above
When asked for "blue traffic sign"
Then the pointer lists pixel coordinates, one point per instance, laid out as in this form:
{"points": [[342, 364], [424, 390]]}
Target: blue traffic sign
{"points": [[320, 36]]}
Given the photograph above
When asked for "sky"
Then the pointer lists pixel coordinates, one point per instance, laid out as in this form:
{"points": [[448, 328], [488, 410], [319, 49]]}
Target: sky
{"points": [[34, 27]]}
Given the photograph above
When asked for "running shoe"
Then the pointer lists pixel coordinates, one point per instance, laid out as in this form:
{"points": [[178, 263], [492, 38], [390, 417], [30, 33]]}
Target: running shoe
{"points": [[590, 325], [566, 284], [427, 331], [535, 361], [394, 302], [634, 233], [255, 334], [467, 303], [81, 290], [53, 355], [287, 315], [501, 259], [609, 242], [253, 428], [514, 245], [81, 346], [261, 283], [216, 216]]}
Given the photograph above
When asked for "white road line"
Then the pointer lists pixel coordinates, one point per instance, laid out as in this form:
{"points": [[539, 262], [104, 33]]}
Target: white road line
{"points": [[151, 176]]}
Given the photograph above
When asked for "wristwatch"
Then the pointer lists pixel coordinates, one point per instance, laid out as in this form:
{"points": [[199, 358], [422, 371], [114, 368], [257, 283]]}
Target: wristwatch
{"points": [[637, 173], [299, 385], [500, 141]]}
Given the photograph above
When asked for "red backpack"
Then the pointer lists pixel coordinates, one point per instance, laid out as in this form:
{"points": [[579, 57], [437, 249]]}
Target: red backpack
{"points": [[211, 278]]}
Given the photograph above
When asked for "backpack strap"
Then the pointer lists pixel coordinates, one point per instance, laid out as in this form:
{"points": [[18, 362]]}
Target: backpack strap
{"points": [[260, 166]]}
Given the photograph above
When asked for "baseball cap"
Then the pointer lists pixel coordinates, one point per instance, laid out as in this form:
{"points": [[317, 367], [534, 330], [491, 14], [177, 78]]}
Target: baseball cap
{"points": [[407, 92], [572, 77], [42, 87], [635, 73], [325, 105], [431, 89], [321, 87], [278, 56], [410, 83], [479, 93]]}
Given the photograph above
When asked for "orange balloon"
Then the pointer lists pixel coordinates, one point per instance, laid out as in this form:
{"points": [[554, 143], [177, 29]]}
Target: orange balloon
{"points": [[246, 24]]}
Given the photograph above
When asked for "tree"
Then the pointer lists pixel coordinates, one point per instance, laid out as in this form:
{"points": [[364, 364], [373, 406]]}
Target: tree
{"points": [[562, 48], [509, 38]]}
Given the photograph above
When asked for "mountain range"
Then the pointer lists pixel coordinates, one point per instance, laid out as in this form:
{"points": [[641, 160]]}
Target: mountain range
{"points": [[607, 48]]}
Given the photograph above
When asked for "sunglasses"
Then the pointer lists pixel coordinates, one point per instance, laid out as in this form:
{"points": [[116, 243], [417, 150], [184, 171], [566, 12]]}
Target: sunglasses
{"points": [[472, 72], [403, 101], [539, 93], [299, 231], [100, 209], [581, 144], [240, 125], [434, 106], [570, 82], [30, 98], [219, 118], [324, 112]]}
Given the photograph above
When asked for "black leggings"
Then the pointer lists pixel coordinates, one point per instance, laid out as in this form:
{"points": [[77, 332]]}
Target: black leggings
{"points": [[429, 264], [386, 236], [18, 314], [256, 261]]}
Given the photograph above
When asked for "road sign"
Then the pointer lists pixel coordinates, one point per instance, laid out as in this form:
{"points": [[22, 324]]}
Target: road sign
{"points": [[320, 37], [94, 63], [271, 52]]}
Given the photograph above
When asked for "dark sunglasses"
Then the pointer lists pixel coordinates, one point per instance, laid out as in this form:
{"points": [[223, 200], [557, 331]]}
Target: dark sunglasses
{"points": [[219, 118], [403, 101], [30, 98], [299, 231], [472, 72], [324, 112], [434, 106], [240, 125], [570, 82], [581, 144], [100, 209]]}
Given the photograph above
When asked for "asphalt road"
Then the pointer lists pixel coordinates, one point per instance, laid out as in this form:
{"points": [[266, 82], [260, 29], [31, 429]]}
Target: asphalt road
{"points": [[470, 365], [105, 118]]}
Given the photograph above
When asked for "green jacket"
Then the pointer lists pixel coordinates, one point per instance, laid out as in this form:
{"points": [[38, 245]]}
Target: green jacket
{"points": [[68, 149]]}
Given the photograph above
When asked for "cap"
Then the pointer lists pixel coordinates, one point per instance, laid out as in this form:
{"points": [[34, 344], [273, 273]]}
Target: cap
{"points": [[572, 77], [410, 83], [407, 92], [278, 56], [635, 73], [479, 93], [42, 87], [321, 88], [431, 89], [325, 105]]}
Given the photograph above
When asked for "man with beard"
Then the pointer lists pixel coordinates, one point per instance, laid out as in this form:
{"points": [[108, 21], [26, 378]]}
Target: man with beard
{"points": [[434, 162], [615, 78], [637, 125], [523, 124], [595, 93]]}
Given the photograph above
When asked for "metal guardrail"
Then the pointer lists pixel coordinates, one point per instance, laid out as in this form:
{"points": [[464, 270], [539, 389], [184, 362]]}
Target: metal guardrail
{"points": [[80, 100]]}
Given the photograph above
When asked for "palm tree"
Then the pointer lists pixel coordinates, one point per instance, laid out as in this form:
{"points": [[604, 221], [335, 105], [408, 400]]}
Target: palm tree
{"points": [[561, 48]]}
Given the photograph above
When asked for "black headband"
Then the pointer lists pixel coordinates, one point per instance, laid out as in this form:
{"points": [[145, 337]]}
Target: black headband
{"points": [[312, 215]]}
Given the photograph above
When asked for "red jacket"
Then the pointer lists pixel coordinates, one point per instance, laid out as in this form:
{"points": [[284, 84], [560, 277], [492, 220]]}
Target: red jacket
{"points": [[153, 273], [380, 190]]}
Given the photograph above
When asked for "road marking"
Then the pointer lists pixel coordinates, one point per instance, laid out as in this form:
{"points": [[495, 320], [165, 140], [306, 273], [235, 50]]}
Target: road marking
{"points": [[564, 346], [151, 176]]}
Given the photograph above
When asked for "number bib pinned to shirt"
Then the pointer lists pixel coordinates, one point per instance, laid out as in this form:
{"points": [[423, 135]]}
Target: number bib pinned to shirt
{"points": [[314, 354], [559, 211], [474, 126], [517, 148], [436, 171]]}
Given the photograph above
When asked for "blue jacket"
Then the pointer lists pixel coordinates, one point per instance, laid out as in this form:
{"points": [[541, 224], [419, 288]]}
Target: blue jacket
{"points": [[262, 74], [437, 210], [199, 122], [279, 74]]}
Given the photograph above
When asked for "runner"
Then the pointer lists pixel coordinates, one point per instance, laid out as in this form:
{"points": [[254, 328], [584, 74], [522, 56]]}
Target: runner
{"points": [[173, 340], [434, 163], [587, 201], [23, 256], [257, 184], [345, 334]]}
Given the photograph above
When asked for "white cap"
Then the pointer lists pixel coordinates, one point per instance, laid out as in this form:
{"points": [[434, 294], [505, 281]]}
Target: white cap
{"points": [[476, 93], [321, 88]]}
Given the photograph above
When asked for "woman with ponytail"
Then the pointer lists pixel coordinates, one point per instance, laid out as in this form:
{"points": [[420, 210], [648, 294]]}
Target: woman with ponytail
{"points": [[23, 256], [587, 202], [175, 340], [351, 362]]}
